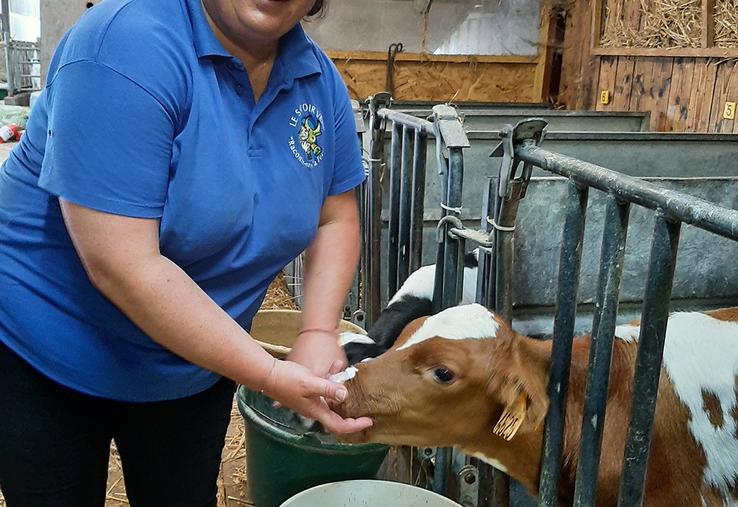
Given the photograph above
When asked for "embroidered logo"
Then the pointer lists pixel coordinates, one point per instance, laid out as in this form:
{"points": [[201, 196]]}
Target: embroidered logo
{"points": [[305, 145]]}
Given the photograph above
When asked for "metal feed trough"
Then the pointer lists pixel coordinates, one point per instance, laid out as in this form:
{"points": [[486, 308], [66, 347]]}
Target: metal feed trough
{"points": [[486, 117], [657, 209]]}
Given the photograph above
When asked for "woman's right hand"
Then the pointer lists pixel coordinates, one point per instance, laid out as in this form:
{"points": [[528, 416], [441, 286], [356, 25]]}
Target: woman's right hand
{"points": [[295, 387]]}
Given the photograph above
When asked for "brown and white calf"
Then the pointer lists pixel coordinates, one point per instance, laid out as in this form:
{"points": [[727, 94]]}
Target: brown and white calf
{"points": [[464, 378]]}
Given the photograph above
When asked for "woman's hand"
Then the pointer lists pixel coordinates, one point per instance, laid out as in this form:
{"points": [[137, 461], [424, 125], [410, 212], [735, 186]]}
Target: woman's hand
{"points": [[296, 388], [319, 352]]}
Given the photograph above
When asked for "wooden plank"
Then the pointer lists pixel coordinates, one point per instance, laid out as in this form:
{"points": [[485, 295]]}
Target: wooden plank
{"points": [[590, 65], [444, 81], [608, 70], [425, 57], [650, 89], [597, 14], [700, 99], [663, 72], [623, 83], [546, 41], [726, 89], [641, 75], [717, 98], [681, 86], [662, 52], [708, 23], [571, 68]]}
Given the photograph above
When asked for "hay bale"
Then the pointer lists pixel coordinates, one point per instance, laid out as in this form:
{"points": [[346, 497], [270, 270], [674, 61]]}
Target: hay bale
{"points": [[662, 24], [726, 23]]}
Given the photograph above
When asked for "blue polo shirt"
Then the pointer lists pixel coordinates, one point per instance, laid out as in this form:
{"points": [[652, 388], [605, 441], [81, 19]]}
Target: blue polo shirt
{"points": [[146, 115]]}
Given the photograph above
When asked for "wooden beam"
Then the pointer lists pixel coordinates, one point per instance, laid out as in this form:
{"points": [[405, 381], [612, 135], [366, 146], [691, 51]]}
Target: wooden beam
{"points": [[596, 23], [712, 52], [708, 23], [425, 57], [545, 52]]}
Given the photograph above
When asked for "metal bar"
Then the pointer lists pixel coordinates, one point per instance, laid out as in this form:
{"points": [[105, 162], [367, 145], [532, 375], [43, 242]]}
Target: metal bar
{"points": [[488, 203], [372, 289], [407, 120], [485, 471], [479, 237], [452, 285], [418, 197], [452, 266], [648, 361], [406, 192], [566, 309], [676, 205], [603, 328], [394, 206], [9, 66]]}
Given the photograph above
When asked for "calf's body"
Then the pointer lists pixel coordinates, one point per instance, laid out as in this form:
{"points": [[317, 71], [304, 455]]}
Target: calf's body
{"points": [[452, 377]]}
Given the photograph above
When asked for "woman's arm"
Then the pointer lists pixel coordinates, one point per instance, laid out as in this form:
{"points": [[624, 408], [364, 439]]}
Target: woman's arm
{"points": [[122, 259], [330, 265]]}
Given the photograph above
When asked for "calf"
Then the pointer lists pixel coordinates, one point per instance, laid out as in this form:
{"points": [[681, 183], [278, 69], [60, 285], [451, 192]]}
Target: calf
{"points": [[464, 378], [414, 299]]}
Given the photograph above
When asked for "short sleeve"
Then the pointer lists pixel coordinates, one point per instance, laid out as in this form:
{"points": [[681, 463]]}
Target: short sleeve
{"points": [[109, 142], [348, 171]]}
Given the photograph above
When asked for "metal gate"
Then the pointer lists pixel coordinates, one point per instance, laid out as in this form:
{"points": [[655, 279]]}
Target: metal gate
{"points": [[520, 152]]}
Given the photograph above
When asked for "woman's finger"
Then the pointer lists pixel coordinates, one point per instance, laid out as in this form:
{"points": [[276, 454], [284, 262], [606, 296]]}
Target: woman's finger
{"points": [[338, 365], [336, 424], [316, 386]]}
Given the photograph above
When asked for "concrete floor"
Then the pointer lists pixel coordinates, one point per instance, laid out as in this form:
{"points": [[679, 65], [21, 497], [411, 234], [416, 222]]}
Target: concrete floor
{"points": [[5, 150]]}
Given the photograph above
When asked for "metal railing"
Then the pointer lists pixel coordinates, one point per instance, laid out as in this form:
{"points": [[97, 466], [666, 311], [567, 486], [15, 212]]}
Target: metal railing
{"points": [[22, 62], [521, 153]]}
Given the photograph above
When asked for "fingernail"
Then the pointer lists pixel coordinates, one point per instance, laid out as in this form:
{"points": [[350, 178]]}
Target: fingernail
{"points": [[341, 395]]}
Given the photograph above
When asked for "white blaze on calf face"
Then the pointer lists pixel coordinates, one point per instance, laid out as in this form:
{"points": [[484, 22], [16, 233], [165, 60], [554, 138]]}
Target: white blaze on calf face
{"points": [[345, 338], [456, 323], [701, 356]]}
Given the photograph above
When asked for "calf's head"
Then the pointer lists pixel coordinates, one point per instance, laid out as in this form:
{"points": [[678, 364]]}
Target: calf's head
{"points": [[450, 378]]}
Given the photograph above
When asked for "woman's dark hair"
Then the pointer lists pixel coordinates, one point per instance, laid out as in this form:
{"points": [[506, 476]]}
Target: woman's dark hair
{"points": [[318, 9]]}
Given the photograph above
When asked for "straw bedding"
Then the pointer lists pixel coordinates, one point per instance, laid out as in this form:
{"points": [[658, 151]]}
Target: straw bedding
{"points": [[666, 24]]}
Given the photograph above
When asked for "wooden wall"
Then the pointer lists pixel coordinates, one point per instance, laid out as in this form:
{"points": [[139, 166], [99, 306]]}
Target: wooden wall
{"points": [[682, 94], [442, 79]]}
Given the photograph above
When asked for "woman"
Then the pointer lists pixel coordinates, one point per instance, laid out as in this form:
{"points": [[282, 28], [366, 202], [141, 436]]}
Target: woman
{"points": [[181, 154]]}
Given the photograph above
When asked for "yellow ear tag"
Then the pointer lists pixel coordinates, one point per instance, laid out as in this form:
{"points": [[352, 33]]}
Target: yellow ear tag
{"points": [[512, 418]]}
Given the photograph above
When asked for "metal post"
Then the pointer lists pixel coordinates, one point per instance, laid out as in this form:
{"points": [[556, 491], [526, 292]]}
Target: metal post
{"points": [[452, 265], [648, 361], [394, 206], [449, 134], [406, 192], [566, 309], [371, 289], [9, 67], [603, 328], [451, 285], [418, 197]]}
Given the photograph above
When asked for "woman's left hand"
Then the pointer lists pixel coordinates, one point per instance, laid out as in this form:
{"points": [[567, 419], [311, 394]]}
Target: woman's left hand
{"points": [[319, 352]]}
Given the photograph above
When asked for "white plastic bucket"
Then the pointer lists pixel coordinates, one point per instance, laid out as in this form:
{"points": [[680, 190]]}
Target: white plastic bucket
{"points": [[367, 493]]}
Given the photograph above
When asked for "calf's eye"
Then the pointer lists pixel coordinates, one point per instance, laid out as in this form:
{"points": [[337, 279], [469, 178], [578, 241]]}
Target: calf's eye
{"points": [[443, 375]]}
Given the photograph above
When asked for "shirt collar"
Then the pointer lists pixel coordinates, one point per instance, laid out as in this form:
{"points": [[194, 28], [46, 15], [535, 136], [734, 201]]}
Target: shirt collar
{"points": [[297, 56], [206, 43]]}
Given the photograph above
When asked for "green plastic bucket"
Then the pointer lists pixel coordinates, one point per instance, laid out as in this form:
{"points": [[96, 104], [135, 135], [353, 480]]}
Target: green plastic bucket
{"points": [[282, 459]]}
